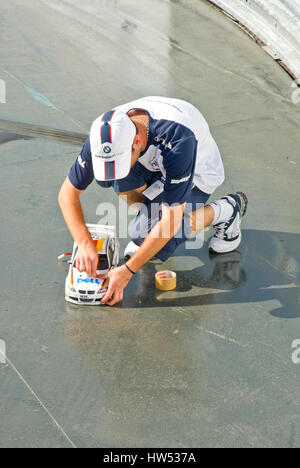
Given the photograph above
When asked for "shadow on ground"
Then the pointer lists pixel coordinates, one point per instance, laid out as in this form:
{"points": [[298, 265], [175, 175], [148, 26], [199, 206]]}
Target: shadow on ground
{"points": [[266, 267]]}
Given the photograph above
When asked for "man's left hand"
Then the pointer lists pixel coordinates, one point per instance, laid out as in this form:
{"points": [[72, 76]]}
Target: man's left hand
{"points": [[118, 279]]}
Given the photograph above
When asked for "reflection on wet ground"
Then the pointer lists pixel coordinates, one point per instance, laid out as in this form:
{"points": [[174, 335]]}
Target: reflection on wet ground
{"points": [[267, 267], [149, 345], [208, 364]]}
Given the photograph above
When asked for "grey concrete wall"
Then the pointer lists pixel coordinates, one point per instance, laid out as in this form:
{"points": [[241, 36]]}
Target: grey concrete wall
{"points": [[275, 22]]}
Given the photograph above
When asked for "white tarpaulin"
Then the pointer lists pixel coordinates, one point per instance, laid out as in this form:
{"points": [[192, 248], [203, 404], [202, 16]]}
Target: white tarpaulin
{"points": [[275, 22]]}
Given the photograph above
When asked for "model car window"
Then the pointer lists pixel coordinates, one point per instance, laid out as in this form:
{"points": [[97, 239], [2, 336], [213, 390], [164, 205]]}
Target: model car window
{"points": [[102, 262], [75, 253], [111, 252]]}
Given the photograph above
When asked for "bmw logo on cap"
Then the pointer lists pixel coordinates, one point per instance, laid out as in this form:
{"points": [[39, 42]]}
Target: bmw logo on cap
{"points": [[107, 149]]}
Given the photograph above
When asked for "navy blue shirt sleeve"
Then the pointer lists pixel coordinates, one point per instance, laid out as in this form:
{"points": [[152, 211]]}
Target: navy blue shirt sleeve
{"points": [[81, 174], [179, 163]]}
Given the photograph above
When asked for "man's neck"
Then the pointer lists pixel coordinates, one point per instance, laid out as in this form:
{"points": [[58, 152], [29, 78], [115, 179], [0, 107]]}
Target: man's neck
{"points": [[141, 120]]}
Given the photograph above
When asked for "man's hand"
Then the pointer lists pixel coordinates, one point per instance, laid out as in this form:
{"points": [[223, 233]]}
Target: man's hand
{"points": [[118, 280], [87, 259]]}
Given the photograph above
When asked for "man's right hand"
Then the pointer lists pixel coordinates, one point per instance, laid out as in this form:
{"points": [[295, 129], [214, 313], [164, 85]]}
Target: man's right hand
{"points": [[87, 259]]}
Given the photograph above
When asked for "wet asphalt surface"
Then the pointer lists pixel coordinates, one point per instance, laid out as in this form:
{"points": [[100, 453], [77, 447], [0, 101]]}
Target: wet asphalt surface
{"points": [[208, 364]]}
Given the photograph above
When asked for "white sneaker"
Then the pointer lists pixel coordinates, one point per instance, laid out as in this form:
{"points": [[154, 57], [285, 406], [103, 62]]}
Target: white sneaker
{"points": [[130, 250], [228, 235]]}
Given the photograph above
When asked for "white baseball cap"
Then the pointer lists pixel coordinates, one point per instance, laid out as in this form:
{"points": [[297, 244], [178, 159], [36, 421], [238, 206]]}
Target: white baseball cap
{"points": [[111, 139]]}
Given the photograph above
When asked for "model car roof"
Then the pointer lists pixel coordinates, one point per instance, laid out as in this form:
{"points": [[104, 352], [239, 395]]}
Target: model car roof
{"points": [[100, 230]]}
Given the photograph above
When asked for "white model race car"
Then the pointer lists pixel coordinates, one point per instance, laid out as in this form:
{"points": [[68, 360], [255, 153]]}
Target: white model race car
{"points": [[89, 291]]}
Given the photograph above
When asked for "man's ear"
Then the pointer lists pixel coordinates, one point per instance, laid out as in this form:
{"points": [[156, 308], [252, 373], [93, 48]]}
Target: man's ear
{"points": [[137, 142]]}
